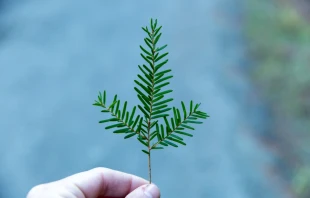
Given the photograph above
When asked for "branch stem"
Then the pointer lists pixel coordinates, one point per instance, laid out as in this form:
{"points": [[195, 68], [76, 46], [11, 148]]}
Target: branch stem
{"points": [[149, 155], [151, 108]]}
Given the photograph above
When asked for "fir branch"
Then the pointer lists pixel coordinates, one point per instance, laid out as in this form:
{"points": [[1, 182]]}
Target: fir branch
{"points": [[152, 93]]}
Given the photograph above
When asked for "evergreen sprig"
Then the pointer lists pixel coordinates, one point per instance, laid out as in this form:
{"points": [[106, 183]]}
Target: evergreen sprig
{"points": [[154, 127]]}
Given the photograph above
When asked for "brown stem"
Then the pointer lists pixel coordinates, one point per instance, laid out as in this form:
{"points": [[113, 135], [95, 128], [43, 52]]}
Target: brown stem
{"points": [[150, 171], [151, 106]]}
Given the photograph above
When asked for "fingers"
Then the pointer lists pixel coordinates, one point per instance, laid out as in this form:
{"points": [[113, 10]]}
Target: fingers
{"points": [[145, 191], [105, 182], [98, 182]]}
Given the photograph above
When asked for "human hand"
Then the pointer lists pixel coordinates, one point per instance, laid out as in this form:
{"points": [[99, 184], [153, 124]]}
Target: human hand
{"points": [[97, 183]]}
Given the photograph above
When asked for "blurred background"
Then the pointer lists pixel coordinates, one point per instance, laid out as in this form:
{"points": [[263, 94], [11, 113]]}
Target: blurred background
{"points": [[246, 61]]}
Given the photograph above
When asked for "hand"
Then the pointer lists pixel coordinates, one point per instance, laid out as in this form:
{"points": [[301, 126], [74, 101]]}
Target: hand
{"points": [[97, 183]]}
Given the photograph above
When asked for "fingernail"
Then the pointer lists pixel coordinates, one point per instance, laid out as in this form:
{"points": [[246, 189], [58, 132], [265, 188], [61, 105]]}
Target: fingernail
{"points": [[151, 191]]}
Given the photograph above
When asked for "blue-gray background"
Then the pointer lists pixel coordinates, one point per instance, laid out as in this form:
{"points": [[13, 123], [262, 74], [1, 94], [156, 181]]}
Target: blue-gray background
{"points": [[56, 55]]}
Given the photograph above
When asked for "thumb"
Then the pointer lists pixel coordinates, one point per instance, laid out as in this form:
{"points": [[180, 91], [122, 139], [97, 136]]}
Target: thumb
{"points": [[145, 191]]}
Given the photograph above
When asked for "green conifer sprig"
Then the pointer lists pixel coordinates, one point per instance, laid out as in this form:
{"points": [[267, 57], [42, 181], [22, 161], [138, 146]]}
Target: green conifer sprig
{"points": [[154, 127]]}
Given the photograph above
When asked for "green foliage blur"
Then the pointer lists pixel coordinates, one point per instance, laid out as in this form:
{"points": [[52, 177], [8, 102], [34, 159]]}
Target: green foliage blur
{"points": [[279, 42]]}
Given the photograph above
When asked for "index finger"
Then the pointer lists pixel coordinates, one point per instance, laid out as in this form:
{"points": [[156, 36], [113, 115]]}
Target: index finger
{"points": [[105, 182]]}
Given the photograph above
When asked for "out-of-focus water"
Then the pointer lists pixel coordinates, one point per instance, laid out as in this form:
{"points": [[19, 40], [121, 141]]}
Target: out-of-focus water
{"points": [[56, 55]]}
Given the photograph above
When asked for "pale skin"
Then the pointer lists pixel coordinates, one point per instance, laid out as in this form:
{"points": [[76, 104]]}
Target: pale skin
{"points": [[97, 183]]}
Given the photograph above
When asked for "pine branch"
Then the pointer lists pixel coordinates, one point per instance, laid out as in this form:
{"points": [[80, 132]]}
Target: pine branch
{"points": [[154, 103], [151, 97]]}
